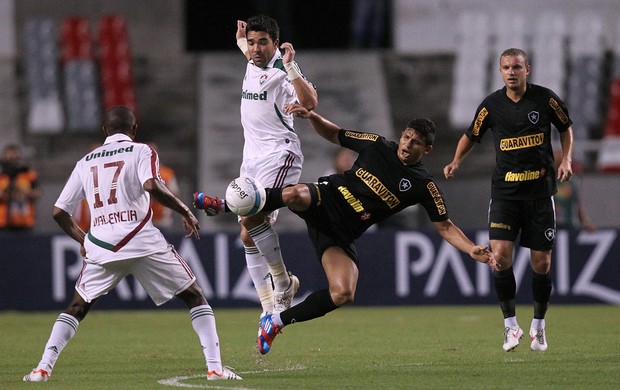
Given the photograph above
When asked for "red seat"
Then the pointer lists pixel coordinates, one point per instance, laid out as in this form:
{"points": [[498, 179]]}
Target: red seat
{"points": [[115, 63], [609, 152], [75, 39]]}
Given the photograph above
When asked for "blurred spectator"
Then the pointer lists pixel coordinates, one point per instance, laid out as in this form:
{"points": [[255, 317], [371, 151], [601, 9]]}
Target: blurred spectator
{"points": [[162, 216], [343, 160], [570, 212], [19, 190], [367, 23]]}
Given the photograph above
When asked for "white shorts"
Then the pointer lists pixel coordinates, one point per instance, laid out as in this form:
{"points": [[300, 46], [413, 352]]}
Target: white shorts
{"points": [[163, 275], [274, 171]]}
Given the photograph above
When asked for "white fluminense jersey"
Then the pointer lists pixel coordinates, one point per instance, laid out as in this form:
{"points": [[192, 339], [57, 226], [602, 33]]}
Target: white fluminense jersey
{"points": [[111, 179], [266, 128]]}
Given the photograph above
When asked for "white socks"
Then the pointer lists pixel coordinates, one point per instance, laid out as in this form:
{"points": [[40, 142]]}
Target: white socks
{"points": [[266, 240], [259, 272], [203, 322], [510, 322], [63, 330], [538, 323]]}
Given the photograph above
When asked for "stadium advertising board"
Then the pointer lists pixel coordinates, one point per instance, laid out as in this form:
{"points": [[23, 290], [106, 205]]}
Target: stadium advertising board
{"points": [[396, 268]]}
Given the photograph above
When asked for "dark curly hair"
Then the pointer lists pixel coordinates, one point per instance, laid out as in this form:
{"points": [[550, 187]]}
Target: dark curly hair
{"points": [[425, 127], [264, 23]]}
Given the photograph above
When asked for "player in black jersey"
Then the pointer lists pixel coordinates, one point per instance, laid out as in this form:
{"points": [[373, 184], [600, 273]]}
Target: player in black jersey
{"points": [[520, 116], [386, 178]]}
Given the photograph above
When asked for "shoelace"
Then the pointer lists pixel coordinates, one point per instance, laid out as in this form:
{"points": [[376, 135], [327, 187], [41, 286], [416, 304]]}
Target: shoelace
{"points": [[540, 337], [507, 332]]}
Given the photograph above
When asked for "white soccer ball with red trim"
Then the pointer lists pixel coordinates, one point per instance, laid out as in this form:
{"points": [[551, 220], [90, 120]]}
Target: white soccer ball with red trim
{"points": [[245, 196]]}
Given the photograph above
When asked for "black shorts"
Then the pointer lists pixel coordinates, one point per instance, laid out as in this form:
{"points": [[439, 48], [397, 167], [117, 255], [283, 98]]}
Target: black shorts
{"points": [[324, 222], [534, 219]]}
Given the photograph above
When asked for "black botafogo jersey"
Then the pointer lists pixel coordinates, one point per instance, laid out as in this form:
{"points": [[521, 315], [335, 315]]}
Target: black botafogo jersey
{"points": [[380, 185], [522, 135]]}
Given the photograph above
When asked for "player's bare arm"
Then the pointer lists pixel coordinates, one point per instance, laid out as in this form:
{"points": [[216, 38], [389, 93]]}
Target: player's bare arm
{"points": [[240, 37], [463, 148], [162, 194], [455, 236], [565, 169], [322, 126], [306, 93], [68, 225]]}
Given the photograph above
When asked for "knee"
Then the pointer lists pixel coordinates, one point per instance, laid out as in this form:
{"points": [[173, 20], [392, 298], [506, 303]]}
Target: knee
{"points": [[77, 310], [296, 197], [342, 296], [245, 238], [193, 296], [541, 266], [502, 259]]}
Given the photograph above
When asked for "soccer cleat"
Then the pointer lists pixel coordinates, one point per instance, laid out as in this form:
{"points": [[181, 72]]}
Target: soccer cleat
{"points": [[211, 205], [512, 335], [282, 300], [39, 375], [539, 340], [225, 375], [268, 332], [260, 319]]}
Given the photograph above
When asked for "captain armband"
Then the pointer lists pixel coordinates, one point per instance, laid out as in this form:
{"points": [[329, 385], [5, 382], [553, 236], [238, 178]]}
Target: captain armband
{"points": [[243, 44], [292, 70]]}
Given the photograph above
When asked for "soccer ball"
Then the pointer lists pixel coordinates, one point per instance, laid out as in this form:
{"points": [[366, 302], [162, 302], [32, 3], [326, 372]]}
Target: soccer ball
{"points": [[245, 196]]}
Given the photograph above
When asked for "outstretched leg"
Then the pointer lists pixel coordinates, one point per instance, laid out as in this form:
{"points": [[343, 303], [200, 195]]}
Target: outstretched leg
{"points": [[64, 329], [342, 275]]}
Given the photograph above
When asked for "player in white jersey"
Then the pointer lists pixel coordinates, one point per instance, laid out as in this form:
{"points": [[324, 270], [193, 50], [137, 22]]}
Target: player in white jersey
{"points": [[272, 152], [117, 179]]}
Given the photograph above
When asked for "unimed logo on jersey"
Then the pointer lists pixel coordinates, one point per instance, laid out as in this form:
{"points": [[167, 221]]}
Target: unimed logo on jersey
{"points": [[107, 153], [253, 95]]}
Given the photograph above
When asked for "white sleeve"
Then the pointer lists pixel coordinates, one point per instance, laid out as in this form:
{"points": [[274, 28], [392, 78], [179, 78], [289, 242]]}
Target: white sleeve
{"points": [[72, 193], [148, 165]]}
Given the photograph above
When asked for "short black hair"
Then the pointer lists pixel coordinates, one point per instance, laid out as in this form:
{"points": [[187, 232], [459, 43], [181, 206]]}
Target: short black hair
{"points": [[119, 119], [425, 127], [514, 52], [264, 23]]}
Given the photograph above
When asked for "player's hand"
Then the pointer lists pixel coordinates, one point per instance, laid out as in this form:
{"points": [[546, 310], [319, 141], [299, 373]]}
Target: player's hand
{"points": [[565, 171], [450, 170], [191, 225], [289, 52], [241, 29], [297, 110], [482, 254]]}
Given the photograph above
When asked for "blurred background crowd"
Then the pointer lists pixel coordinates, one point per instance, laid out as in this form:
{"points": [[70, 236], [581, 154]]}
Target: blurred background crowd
{"points": [[376, 64]]}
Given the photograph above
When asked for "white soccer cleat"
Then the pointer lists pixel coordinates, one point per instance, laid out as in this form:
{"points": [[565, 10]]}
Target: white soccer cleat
{"points": [[539, 339], [225, 375], [512, 335], [39, 375], [282, 300]]}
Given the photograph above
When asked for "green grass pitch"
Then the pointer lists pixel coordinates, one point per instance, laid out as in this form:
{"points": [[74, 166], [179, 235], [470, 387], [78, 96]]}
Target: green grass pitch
{"points": [[434, 347]]}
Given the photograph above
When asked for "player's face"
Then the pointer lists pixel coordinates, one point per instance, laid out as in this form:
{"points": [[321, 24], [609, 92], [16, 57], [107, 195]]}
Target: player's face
{"points": [[261, 47], [412, 147], [514, 71]]}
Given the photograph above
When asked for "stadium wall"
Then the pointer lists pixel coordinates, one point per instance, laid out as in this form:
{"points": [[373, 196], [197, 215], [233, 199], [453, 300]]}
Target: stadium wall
{"points": [[396, 268]]}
